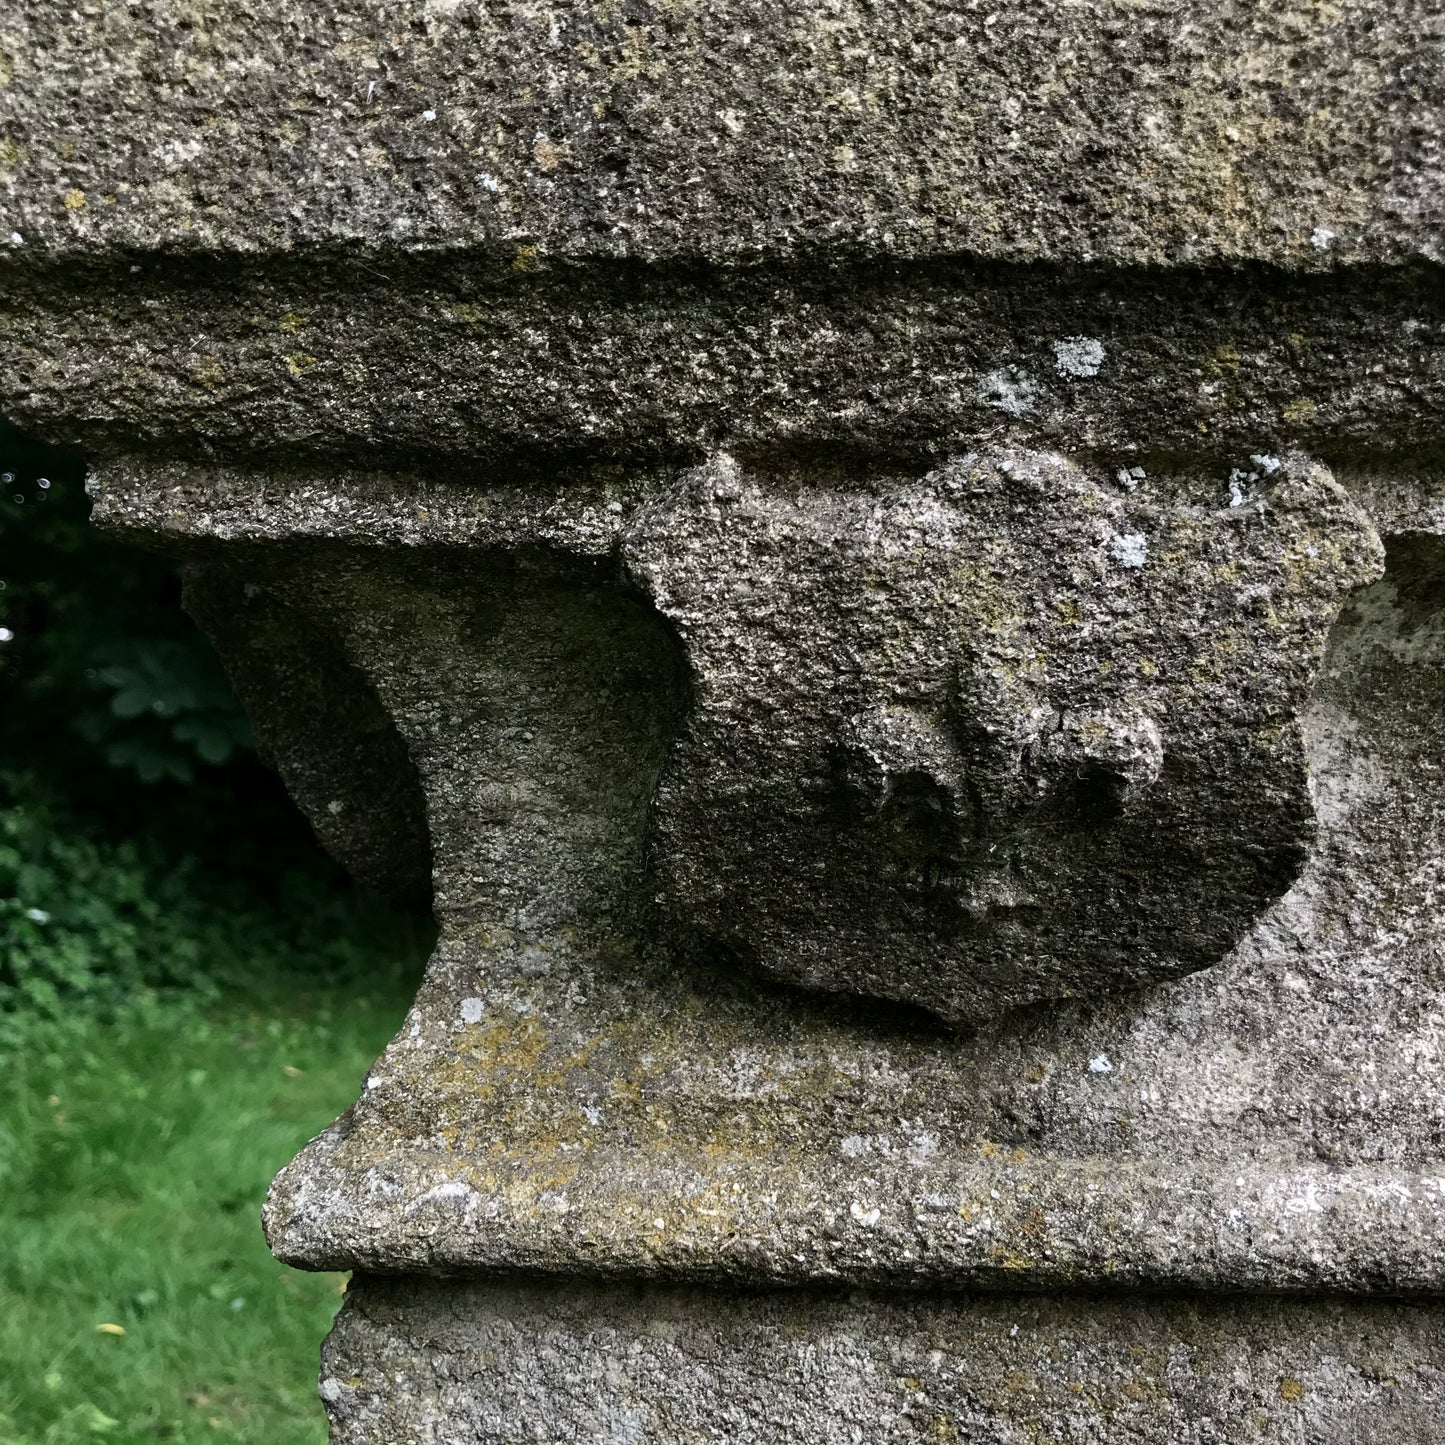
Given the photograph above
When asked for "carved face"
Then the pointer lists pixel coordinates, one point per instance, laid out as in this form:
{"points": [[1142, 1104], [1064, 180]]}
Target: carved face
{"points": [[1003, 734]]}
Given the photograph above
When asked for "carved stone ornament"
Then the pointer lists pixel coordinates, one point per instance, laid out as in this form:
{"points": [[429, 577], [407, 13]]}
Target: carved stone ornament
{"points": [[882, 570]]}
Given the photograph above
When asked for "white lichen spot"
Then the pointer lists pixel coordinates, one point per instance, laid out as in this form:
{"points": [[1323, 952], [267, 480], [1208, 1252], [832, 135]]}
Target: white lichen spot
{"points": [[428, 115], [6, 635], [1240, 480], [1130, 549], [1100, 1064], [488, 182], [471, 1010], [1009, 389], [854, 1146], [732, 120], [331, 1390], [1267, 464], [16, 239], [866, 1217], [335, 806], [659, 1223], [923, 1148], [592, 1113], [1321, 237], [1078, 356]]}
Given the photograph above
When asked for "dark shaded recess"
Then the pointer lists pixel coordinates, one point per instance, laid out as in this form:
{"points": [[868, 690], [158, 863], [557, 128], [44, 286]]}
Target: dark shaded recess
{"points": [[325, 731], [1415, 563]]}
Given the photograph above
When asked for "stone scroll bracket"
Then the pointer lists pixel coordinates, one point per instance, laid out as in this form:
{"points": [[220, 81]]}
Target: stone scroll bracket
{"points": [[1004, 733], [538, 761]]}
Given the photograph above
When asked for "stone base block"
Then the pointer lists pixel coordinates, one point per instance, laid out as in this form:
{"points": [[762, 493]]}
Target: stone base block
{"points": [[487, 1363]]}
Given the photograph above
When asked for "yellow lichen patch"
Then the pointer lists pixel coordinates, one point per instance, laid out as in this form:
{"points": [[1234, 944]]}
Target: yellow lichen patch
{"points": [[1291, 1388], [546, 153], [206, 372], [291, 323], [465, 311], [75, 200], [1225, 360], [512, 1041], [941, 1427], [1011, 1259], [298, 363], [1300, 412], [525, 260], [12, 154]]}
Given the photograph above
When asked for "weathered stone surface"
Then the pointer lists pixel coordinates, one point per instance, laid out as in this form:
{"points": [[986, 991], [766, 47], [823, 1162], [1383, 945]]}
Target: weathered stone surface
{"points": [[655, 230], [841, 545], [1009, 733], [496, 1364], [1138, 132], [574, 1090]]}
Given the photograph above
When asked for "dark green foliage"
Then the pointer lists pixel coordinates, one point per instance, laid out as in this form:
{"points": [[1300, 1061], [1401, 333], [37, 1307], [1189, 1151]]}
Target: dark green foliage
{"points": [[90, 920], [143, 846], [102, 664]]}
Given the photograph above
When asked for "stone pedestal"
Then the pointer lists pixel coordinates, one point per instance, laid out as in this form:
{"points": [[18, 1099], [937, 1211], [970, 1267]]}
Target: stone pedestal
{"points": [[885, 574]]}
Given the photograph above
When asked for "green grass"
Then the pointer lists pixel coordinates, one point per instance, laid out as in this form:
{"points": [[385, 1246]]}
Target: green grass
{"points": [[134, 1155]]}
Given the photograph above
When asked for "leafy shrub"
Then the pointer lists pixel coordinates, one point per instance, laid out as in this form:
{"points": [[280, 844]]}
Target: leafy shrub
{"points": [[102, 664], [90, 922]]}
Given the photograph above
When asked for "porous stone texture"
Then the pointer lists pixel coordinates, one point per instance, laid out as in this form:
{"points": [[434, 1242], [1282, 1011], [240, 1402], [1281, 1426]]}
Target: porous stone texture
{"points": [[1194, 131], [498, 1364], [959, 743], [580, 1085], [883, 568]]}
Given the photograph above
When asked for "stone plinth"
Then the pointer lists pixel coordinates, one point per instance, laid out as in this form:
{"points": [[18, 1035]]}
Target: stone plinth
{"points": [[885, 575]]}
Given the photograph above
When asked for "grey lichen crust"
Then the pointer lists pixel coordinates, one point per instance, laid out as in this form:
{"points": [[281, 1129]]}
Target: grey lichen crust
{"points": [[579, 1087]]}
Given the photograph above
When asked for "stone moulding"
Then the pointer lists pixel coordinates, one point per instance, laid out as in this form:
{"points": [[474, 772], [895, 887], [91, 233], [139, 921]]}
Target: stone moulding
{"points": [[581, 1089]]}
